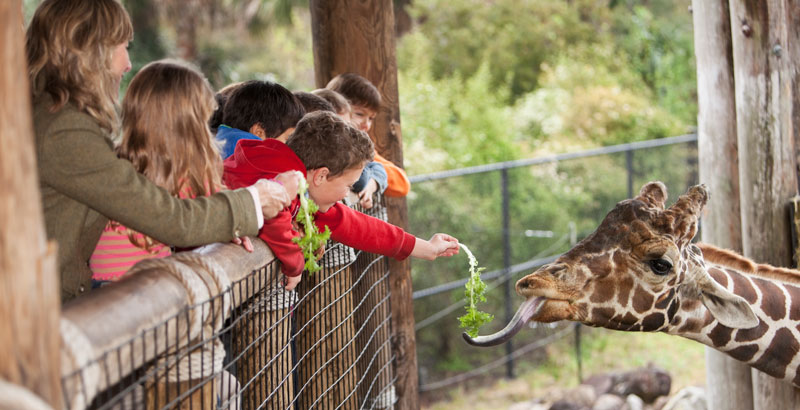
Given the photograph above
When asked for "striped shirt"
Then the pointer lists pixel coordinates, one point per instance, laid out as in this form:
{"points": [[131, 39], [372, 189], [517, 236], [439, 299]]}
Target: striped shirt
{"points": [[115, 253]]}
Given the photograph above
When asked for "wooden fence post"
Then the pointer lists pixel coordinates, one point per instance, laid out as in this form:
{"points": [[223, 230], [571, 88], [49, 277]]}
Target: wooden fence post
{"points": [[765, 56], [728, 380], [357, 36], [29, 285]]}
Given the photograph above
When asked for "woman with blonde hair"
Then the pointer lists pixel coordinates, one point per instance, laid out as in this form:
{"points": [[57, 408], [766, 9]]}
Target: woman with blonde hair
{"points": [[77, 55]]}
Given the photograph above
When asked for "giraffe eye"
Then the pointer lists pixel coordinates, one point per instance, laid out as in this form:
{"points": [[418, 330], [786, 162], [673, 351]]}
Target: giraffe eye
{"points": [[660, 266]]}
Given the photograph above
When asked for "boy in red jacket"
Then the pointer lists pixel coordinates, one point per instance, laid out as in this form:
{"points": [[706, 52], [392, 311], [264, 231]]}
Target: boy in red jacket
{"points": [[331, 155]]}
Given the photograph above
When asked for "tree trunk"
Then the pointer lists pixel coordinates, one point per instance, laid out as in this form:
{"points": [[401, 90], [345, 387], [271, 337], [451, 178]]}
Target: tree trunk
{"points": [[357, 36], [765, 55], [728, 380], [29, 285]]}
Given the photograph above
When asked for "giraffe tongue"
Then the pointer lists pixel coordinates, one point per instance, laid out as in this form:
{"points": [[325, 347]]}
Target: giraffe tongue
{"points": [[526, 311]]}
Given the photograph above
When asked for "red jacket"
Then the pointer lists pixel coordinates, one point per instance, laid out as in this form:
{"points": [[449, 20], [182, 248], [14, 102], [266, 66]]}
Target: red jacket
{"points": [[253, 160]]}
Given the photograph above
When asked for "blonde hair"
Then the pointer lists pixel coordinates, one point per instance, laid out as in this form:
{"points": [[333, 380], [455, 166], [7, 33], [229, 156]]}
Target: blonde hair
{"points": [[165, 132], [69, 45]]}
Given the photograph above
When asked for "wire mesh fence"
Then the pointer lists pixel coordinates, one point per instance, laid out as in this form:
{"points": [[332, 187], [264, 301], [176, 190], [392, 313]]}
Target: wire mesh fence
{"points": [[516, 216], [233, 340]]}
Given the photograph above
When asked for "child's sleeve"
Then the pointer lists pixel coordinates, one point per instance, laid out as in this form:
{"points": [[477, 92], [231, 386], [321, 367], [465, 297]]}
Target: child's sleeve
{"points": [[398, 183], [365, 232], [376, 171], [278, 233]]}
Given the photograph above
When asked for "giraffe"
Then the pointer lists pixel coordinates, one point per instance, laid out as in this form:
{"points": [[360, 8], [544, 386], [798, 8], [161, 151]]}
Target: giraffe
{"points": [[639, 271]]}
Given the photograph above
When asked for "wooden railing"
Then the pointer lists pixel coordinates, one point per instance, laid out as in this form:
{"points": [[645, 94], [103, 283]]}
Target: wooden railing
{"points": [[214, 328]]}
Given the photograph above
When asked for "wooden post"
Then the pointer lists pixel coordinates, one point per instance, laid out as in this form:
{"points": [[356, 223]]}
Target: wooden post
{"points": [[325, 341], [357, 36], [728, 380], [765, 56], [263, 339], [161, 394], [29, 285]]}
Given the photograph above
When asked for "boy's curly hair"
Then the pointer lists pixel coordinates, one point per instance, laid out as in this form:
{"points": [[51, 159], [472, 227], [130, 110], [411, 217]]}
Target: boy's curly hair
{"points": [[323, 139]]}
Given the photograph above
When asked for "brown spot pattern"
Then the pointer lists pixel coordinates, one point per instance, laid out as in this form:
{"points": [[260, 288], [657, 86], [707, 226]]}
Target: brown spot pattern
{"points": [[663, 300], [753, 334], [653, 321], [600, 266], [625, 285], [720, 335], [691, 325], [794, 294], [601, 316], [620, 262], [718, 276], [779, 353], [642, 300], [603, 291], [673, 309], [743, 288], [628, 319], [744, 353], [773, 301]]}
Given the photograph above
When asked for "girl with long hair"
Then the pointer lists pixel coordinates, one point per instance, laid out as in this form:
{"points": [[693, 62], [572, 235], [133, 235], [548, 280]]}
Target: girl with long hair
{"points": [[165, 136]]}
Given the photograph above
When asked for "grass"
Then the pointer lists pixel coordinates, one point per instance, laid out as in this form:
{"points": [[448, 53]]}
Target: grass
{"points": [[602, 351]]}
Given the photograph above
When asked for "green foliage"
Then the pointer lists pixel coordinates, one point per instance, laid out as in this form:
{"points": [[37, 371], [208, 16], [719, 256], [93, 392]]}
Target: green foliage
{"points": [[446, 132], [311, 240], [474, 291], [656, 42], [514, 37]]}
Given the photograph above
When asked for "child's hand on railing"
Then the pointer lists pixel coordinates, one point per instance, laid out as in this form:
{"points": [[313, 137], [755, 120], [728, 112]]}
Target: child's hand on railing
{"points": [[365, 196], [246, 243], [290, 282]]}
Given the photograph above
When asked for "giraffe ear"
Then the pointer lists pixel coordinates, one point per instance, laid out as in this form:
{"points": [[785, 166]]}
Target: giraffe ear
{"points": [[729, 309], [653, 193], [693, 201], [686, 211]]}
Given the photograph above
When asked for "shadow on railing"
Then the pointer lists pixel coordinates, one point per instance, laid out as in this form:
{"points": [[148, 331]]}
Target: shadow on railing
{"points": [[214, 328]]}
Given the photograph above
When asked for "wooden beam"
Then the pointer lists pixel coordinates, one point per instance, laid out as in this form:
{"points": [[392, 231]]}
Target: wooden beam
{"points": [[765, 56], [29, 285], [728, 380], [358, 36]]}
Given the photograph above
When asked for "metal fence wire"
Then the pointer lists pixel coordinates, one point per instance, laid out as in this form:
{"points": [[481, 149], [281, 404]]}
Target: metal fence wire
{"points": [[251, 345]]}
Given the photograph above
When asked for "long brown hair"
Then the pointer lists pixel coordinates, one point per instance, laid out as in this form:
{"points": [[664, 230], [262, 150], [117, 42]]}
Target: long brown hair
{"points": [[165, 131], [69, 45]]}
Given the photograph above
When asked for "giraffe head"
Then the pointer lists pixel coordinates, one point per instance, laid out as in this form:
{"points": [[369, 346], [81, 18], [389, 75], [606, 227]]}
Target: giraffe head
{"points": [[635, 272]]}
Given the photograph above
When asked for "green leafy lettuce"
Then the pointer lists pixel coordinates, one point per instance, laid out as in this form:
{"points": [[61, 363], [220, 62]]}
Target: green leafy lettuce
{"points": [[475, 289], [311, 240]]}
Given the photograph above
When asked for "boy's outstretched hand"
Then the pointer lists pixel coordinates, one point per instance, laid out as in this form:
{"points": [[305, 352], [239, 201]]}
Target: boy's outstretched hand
{"points": [[440, 244]]}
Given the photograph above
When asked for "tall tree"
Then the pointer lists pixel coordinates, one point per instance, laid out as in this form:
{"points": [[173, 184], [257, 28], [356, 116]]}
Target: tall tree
{"points": [[728, 380], [30, 353], [357, 36], [766, 54]]}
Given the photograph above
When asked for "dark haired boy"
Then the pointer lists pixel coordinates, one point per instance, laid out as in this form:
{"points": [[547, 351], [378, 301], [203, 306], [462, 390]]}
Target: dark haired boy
{"points": [[258, 110], [331, 154], [313, 102], [365, 102]]}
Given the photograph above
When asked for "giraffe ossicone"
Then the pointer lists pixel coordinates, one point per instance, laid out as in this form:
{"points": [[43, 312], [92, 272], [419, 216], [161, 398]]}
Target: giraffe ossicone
{"points": [[639, 271]]}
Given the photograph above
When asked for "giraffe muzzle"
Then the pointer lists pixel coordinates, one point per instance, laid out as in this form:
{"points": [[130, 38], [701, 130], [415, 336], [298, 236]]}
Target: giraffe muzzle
{"points": [[526, 311]]}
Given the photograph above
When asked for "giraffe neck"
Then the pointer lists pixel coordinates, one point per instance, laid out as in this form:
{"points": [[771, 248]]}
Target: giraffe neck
{"points": [[772, 346]]}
